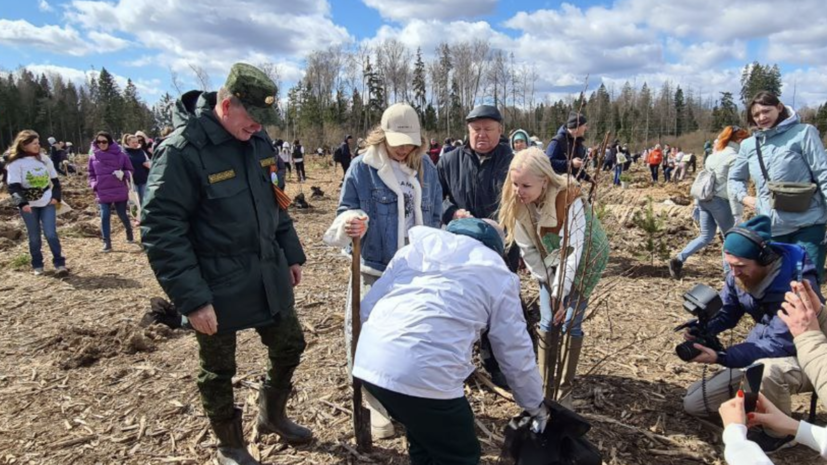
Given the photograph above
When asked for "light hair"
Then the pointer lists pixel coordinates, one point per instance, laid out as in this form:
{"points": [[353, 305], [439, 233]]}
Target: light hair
{"points": [[414, 160], [23, 137], [224, 94], [537, 163], [125, 139]]}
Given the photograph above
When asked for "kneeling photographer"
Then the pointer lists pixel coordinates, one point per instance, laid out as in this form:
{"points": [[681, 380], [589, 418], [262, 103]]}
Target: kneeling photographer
{"points": [[759, 277]]}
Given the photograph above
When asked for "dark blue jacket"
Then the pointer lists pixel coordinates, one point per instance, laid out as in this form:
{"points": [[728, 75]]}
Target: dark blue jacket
{"points": [[471, 185], [770, 338], [558, 152], [138, 157]]}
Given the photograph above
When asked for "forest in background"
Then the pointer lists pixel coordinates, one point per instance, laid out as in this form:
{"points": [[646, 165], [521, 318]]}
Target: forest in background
{"points": [[344, 91]]}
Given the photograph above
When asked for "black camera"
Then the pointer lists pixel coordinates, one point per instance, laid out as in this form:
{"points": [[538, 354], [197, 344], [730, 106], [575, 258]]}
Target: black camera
{"points": [[703, 302]]}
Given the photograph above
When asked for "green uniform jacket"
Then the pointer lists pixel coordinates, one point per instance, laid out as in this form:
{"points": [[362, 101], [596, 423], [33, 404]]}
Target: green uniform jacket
{"points": [[211, 226]]}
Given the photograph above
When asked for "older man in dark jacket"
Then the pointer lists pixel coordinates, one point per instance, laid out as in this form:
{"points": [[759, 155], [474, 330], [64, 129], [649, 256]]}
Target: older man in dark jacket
{"points": [[472, 176], [472, 179], [224, 251]]}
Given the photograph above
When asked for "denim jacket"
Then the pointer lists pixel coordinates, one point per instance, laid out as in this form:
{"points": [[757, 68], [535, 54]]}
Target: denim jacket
{"points": [[792, 152], [371, 189]]}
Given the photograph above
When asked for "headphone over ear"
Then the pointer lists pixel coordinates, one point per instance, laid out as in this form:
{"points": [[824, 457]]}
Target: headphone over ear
{"points": [[766, 254]]}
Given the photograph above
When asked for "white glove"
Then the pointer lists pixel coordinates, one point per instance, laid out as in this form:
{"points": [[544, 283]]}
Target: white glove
{"points": [[118, 174], [539, 418]]}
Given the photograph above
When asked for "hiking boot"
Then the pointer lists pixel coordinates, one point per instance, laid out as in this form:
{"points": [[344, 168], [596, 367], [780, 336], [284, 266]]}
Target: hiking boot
{"points": [[272, 418], [38, 271], [768, 443], [232, 449], [676, 268], [106, 248], [61, 271]]}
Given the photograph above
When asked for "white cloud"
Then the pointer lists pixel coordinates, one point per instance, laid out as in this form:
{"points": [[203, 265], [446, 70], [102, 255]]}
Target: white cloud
{"points": [[44, 6], [445, 10], [22, 34], [420, 33]]}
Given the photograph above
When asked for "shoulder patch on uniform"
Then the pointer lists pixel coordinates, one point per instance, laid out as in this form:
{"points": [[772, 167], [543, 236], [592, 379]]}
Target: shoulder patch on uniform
{"points": [[265, 162], [222, 176]]}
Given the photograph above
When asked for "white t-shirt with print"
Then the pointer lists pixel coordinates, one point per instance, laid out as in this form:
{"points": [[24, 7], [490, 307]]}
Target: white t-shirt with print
{"points": [[408, 194], [33, 173]]}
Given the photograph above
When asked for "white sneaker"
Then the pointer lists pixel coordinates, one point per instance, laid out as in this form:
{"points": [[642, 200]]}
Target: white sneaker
{"points": [[380, 426], [38, 271]]}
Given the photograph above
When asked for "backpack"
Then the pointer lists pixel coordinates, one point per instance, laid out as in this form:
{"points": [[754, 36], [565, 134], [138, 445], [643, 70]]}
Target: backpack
{"points": [[655, 157], [337, 155], [703, 188], [297, 153]]}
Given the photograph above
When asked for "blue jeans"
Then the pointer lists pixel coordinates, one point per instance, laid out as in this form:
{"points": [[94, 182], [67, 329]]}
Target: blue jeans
{"points": [[654, 169], [141, 190], [573, 299], [43, 216], [713, 215], [618, 170], [106, 212], [667, 173], [812, 239]]}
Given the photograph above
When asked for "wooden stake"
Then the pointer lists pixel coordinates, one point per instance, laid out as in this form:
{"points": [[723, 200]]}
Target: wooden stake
{"points": [[361, 415]]}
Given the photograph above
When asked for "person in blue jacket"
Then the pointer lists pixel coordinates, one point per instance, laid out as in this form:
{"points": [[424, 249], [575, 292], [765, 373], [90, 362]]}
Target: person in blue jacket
{"points": [[569, 141], [759, 278], [389, 188], [792, 153]]}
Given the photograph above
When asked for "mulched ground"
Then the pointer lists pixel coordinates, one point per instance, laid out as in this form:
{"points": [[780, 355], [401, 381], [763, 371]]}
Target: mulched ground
{"points": [[82, 383]]}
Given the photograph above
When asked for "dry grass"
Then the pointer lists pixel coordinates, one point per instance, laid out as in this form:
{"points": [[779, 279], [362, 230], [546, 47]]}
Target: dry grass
{"points": [[81, 383]]}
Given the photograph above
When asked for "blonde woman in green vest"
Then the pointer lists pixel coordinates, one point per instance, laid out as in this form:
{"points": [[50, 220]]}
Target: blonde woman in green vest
{"points": [[544, 213]]}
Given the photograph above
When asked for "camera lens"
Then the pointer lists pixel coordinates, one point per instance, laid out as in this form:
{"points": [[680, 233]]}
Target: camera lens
{"points": [[687, 351]]}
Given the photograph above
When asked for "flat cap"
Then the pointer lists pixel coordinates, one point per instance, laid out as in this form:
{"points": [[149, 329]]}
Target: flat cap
{"points": [[484, 112]]}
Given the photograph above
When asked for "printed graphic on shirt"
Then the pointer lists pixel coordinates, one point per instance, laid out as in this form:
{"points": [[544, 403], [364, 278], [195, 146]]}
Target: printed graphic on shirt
{"points": [[408, 189], [37, 178]]}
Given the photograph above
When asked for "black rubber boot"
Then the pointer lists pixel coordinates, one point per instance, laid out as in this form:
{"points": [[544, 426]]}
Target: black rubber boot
{"points": [[232, 450], [272, 403]]}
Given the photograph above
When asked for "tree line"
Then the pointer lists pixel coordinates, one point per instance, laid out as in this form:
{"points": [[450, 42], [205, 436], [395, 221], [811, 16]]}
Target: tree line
{"points": [[344, 90]]}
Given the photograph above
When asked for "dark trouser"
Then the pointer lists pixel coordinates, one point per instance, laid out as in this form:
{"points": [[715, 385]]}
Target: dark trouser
{"points": [[692, 164], [289, 168], [440, 432], [106, 229], [300, 171], [667, 173], [46, 217], [285, 344], [654, 170], [812, 239]]}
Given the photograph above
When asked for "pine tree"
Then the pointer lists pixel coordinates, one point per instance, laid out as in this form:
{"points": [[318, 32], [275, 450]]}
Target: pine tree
{"points": [[376, 94], [680, 112], [132, 117], [111, 104], [419, 84], [162, 111]]}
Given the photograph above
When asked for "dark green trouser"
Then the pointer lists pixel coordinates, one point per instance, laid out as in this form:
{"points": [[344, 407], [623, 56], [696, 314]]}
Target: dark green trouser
{"points": [[440, 432], [285, 344]]}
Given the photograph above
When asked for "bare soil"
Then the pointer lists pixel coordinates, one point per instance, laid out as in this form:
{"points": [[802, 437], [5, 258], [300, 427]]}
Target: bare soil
{"points": [[82, 383]]}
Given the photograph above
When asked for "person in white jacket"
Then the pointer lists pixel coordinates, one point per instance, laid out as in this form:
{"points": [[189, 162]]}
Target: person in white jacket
{"points": [[421, 321]]}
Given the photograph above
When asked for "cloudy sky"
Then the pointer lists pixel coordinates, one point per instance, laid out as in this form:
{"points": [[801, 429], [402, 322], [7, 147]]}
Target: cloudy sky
{"points": [[699, 44]]}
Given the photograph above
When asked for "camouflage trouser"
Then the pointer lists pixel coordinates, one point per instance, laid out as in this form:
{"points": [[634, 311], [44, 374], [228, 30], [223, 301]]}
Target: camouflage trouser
{"points": [[285, 344]]}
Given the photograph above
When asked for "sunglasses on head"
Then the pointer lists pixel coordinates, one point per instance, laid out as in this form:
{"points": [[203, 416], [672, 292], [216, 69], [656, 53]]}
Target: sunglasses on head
{"points": [[735, 128]]}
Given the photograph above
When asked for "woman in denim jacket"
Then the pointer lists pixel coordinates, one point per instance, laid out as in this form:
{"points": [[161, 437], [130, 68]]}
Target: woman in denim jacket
{"points": [[389, 188], [792, 152]]}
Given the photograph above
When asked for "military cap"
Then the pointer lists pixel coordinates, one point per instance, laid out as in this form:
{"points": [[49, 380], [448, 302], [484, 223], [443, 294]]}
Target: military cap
{"points": [[254, 90], [484, 112]]}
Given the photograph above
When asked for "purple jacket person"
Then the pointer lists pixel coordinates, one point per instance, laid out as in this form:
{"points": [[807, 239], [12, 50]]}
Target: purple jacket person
{"points": [[107, 159]]}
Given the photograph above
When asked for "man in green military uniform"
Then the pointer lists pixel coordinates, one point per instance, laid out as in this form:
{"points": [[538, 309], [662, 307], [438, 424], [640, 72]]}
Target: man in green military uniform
{"points": [[224, 252]]}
